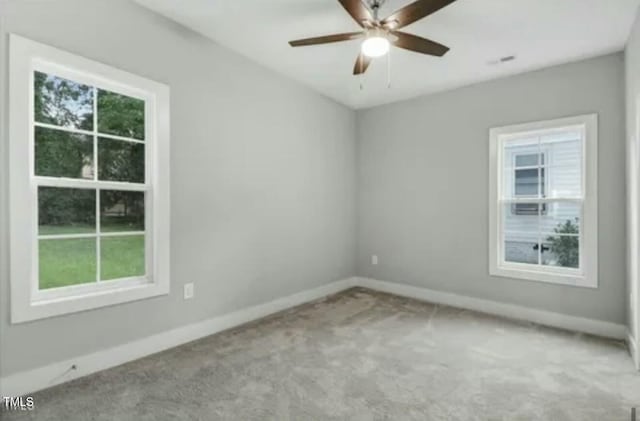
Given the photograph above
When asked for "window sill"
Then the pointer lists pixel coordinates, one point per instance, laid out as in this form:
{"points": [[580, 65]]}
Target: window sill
{"points": [[54, 303], [559, 277]]}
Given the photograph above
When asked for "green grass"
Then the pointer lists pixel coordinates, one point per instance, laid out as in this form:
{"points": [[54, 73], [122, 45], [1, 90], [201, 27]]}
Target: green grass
{"points": [[73, 261], [66, 229], [107, 226], [122, 257], [67, 262]]}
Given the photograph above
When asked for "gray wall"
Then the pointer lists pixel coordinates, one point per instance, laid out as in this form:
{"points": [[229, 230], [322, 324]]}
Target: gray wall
{"points": [[632, 60], [264, 180], [423, 185], [262, 169]]}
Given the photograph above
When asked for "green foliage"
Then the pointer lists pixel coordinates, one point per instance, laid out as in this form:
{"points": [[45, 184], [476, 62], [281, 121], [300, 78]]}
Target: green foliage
{"points": [[62, 154], [59, 153], [121, 161], [566, 248], [66, 207], [62, 102], [120, 115], [128, 215]]}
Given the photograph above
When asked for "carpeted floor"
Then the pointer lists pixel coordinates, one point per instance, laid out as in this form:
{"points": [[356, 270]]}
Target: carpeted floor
{"points": [[363, 355]]}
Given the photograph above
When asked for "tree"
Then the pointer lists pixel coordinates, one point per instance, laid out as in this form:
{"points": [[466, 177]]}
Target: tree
{"points": [[566, 248], [64, 103], [120, 115], [121, 160]]}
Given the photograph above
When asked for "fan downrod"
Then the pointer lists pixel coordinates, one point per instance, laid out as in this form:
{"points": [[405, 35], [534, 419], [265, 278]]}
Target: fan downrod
{"points": [[375, 6]]}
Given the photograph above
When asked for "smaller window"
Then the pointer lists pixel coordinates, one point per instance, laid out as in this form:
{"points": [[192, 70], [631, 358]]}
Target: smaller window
{"points": [[543, 198]]}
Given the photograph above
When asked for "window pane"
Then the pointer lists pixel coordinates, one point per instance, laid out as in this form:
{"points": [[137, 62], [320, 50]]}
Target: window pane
{"points": [[523, 169], [121, 211], [524, 143], [120, 160], [561, 218], [565, 181], [67, 262], [521, 233], [66, 211], [62, 102], [527, 182], [528, 160], [514, 218], [561, 251], [63, 154], [528, 209], [122, 257], [565, 164], [521, 248], [120, 115]]}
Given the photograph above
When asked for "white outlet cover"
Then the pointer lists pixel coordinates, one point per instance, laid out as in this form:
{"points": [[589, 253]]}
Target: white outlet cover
{"points": [[188, 291], [374, 260]]}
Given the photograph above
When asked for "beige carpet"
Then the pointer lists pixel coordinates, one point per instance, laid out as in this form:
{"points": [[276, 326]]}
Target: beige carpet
{"points": [[363, 355]]}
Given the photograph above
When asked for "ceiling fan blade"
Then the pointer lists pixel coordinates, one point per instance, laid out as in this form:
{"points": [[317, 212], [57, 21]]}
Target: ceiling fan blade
{"points": [[413, 12], [358, 11], [326, 39], [418, 44], [362, 63]]}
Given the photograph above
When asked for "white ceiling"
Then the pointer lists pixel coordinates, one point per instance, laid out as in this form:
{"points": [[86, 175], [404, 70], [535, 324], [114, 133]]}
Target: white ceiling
{"points": [[540, 33]]}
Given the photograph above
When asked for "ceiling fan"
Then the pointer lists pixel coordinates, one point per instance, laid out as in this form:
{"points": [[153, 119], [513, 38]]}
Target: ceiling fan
{"points": [[379, 34]]}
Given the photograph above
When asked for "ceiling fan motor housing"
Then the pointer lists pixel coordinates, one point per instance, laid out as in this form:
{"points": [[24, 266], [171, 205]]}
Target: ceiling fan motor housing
{"points": [[377, 33]]}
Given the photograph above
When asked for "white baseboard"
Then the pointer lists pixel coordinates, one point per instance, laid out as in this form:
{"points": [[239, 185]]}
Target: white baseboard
{"points": [[56, 373], [53, 374], [563, 321], [633, 349]]}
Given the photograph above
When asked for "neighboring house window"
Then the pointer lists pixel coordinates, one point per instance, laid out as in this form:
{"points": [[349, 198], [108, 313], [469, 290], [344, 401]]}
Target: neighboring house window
{"points": [[529, 182], [89, 183], [543, 216]]}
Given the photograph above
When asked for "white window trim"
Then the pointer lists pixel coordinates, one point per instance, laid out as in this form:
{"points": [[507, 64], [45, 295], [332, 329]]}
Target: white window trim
{"points": [[27, 303], [587, 276]]}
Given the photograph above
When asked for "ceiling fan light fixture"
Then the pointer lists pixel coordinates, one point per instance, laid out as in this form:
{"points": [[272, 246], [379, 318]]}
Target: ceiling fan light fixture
{"points": [[375, 46]]}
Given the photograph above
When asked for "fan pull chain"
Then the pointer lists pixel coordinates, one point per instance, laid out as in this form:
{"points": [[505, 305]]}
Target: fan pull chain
{"points": [[389, 69], [361, 76]]}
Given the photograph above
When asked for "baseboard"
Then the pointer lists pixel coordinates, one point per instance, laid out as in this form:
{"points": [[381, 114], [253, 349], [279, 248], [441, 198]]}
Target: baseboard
{"points": [[633, 349], [563, 321], [57, 373], [60, 372]]}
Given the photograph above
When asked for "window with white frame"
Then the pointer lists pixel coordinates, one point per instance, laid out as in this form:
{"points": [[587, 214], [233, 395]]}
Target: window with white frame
{"points": [[543, 216], [89, 183]]}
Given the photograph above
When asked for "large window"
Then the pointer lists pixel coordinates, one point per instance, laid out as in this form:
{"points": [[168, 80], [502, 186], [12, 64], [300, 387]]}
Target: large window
{"points": [[89, 191], [543, 201]]}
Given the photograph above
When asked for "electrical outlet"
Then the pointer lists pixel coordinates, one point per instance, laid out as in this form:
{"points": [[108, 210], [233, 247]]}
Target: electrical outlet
{"points": [[188, 291], [374, 260]]}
